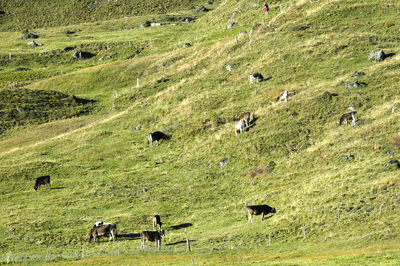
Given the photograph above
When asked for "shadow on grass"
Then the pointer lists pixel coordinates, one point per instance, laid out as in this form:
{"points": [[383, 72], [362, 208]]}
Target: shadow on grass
{"points": [[179, 242], [180, 226], [128, 236], [252, 123]]}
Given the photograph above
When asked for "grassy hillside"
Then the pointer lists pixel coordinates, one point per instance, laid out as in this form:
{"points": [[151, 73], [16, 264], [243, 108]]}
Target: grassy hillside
{"points": [[23, 15], [294, 157]]}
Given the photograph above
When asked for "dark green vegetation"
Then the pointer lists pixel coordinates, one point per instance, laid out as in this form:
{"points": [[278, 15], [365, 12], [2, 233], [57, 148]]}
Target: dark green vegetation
{"points": [[22, 106], [291, 158]]}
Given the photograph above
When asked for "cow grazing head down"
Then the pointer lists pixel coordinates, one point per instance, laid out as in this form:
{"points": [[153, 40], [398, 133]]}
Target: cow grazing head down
{"points": [[156, 136], [259, 209], [105, 229], [42, 180]]}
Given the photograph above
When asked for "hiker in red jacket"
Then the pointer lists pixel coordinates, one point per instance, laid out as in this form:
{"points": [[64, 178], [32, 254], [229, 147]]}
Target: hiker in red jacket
{"points": [[266, 9]]}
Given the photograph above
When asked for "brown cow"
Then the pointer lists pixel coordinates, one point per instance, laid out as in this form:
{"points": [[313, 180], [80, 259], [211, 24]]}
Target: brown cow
{"points": [[347, 117], [259, 209], [42, 180], [156, 221], [153, 236], [246, 117], [106, 229]]}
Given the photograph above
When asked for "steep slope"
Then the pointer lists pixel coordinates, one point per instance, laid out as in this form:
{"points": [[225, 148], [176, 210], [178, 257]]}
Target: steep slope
{"points": [[291, 158]]}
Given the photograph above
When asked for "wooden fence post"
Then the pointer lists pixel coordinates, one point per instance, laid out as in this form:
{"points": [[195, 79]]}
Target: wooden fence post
{"points": [[188, 244]]}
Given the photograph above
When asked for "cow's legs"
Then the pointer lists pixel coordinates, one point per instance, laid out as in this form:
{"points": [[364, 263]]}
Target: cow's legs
{"points": [[250, 217], [262, 217]]}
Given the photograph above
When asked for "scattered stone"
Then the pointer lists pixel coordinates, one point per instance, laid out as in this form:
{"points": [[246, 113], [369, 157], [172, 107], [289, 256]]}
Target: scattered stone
{"points": [[223, 163], [138, 127], [187, 45], [201, 9], [229, 68], [231, 25], [30, 36], [353, 85], [348, 157], [79, 54], [358, 74], [188, 19], [145, 24], [376, 56], [154, 24], [21, 69], [69, 48], [243, 32], [101, 58], [396, 164], [110, 56], [34, 44], [394, 108]]}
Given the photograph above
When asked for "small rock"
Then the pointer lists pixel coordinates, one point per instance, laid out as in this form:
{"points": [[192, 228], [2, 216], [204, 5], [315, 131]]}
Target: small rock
{"points": [[223, 163], [34, 44], [145, 24], [30, 36], [396, 163], [187, 45], [201, 9], [101, 58], [138, 127], [352, 85], [229, 68], [77, 54], [376, 56], [231, 25], [348, 156]]}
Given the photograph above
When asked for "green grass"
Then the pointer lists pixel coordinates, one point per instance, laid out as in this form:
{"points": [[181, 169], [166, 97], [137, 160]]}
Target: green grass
{"points": [[102, 169]]}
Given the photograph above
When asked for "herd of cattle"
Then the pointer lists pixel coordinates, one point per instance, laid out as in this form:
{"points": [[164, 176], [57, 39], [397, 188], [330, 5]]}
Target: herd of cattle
{"points": [[110, 230]]}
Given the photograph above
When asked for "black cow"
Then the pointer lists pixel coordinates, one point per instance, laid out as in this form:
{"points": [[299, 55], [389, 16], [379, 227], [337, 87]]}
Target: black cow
{"points": [[259, 209], [105, 229], [153, 236], [156, 136], [156, 221], [42, 180]]}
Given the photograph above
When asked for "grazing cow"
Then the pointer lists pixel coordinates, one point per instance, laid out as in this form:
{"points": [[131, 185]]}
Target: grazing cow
{"points": [[259, 209], [156, 136], [285, 96], [103, 230], [157, 221], [99, 223], [257, 76], [239, 127], [346, 117], [42, 180], [152, 236], [246, 117]]}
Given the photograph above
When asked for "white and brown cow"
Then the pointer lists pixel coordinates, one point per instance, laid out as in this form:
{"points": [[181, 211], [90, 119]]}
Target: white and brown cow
{"points": [[246, 117], [105, 229]]}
